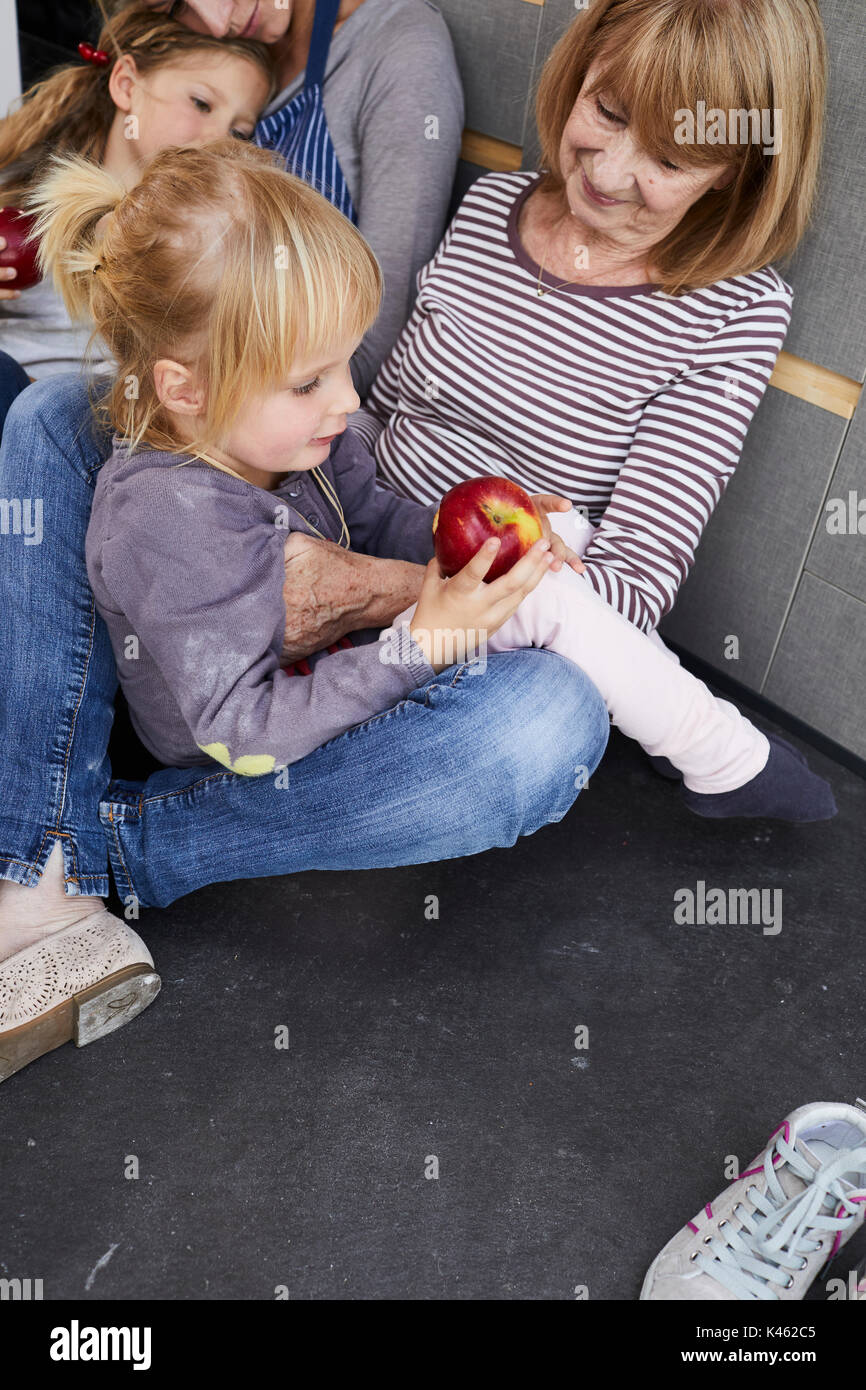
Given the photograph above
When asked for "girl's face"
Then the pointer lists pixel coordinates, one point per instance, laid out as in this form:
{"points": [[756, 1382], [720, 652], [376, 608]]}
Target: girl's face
{"points": [[278, 431], [649, 197], [291, 430], [199, 98]]}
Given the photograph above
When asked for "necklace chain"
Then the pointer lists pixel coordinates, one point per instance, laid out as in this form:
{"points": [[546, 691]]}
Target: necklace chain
{"points": [[328, 495], [550, 288]]}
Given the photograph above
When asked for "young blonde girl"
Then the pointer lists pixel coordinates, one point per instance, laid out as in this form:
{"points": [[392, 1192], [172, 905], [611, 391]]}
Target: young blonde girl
{"points": [[161, 85], [232, 297]]}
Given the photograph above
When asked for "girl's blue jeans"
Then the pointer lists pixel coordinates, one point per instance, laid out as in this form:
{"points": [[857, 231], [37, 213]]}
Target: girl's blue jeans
{"points": [[471, 760]]}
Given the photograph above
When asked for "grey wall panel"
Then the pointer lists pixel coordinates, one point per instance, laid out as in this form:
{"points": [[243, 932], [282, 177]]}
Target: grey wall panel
{"points": [[752, 551], [841, 559], [555, 19], [819, 671], [826, 273], [827, 270], [494, 41]]}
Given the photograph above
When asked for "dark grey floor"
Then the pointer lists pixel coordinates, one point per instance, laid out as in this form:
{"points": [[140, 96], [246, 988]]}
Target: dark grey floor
{"points": [[411, 1038]]}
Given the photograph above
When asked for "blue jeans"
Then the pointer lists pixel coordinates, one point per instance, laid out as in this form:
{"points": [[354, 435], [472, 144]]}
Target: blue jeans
{"points": [[13, 380], [471, 760]]}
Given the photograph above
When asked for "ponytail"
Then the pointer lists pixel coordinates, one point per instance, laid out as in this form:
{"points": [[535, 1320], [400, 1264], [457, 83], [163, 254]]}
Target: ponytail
{"points": [[72, 197]]}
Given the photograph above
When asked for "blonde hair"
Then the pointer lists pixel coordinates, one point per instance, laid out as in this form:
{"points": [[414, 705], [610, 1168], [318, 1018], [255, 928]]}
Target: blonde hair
{"points": [[660, 57], [218, 259], [71, 109]]}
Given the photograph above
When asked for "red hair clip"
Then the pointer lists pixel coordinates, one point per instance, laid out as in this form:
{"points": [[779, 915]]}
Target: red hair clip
{"points": [[93, 55]]}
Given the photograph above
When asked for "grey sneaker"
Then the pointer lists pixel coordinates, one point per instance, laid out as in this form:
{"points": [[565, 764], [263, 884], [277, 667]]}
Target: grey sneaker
{"points": [[771, 1232]]}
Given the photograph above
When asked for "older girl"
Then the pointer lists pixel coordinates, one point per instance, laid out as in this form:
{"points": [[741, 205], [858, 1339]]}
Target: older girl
{"points": [[159, 84]]}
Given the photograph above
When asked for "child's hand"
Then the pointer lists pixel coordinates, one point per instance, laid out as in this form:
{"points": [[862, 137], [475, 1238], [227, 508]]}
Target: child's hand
{"points": [[448, 609], [7, 272], [550, 502]]}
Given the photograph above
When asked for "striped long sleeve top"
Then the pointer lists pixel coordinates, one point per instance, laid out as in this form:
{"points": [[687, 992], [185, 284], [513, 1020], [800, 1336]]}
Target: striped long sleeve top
{"points": [[631, 403]]}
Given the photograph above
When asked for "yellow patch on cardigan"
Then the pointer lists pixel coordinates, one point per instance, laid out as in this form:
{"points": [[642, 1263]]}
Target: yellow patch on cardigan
{"points": [[251, 765]]}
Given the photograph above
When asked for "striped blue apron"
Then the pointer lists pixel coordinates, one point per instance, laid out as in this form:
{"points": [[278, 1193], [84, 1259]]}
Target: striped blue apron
{"points": [[299, 130]]}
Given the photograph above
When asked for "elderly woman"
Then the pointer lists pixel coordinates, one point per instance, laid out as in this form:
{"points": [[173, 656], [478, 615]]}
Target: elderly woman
{"points": [[605, 331]]}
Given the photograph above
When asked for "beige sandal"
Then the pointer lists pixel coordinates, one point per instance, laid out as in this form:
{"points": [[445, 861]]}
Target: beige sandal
{"points": [[77, 984]]}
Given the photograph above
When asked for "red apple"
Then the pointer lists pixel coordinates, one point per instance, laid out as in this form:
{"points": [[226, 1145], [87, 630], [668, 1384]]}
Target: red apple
{"points": [[16, 227], [472, 512]]}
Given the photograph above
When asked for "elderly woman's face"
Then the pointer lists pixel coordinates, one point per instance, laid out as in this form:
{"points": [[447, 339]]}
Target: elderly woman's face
{"points": [[614, 186]]}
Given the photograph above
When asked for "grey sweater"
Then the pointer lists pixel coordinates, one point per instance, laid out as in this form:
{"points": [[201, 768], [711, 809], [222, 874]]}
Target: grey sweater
{"points": [[394, 106], [186, 564]]}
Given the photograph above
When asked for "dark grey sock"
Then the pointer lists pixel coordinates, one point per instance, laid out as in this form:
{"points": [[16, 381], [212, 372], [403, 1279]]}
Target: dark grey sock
{"points": [[665, 768], [783, 790]]}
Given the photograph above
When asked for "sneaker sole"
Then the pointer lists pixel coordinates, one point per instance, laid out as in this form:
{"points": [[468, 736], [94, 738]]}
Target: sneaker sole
{"points": [[86, 1016]]}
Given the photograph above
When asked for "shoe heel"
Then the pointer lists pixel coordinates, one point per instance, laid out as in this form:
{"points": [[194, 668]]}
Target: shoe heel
{"points": [[112, 1002]]}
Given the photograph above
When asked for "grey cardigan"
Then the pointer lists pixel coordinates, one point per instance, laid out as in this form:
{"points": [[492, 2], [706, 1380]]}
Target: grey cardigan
{"points": [[186, 564]]}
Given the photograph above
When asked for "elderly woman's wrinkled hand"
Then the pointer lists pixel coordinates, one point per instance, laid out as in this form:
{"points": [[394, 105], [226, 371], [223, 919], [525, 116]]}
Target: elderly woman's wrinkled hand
{"points": [[324, 593], [330, 591]]}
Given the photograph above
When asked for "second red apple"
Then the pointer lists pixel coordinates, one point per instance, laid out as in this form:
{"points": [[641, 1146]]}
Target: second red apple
{"points": [[19, 250]]}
